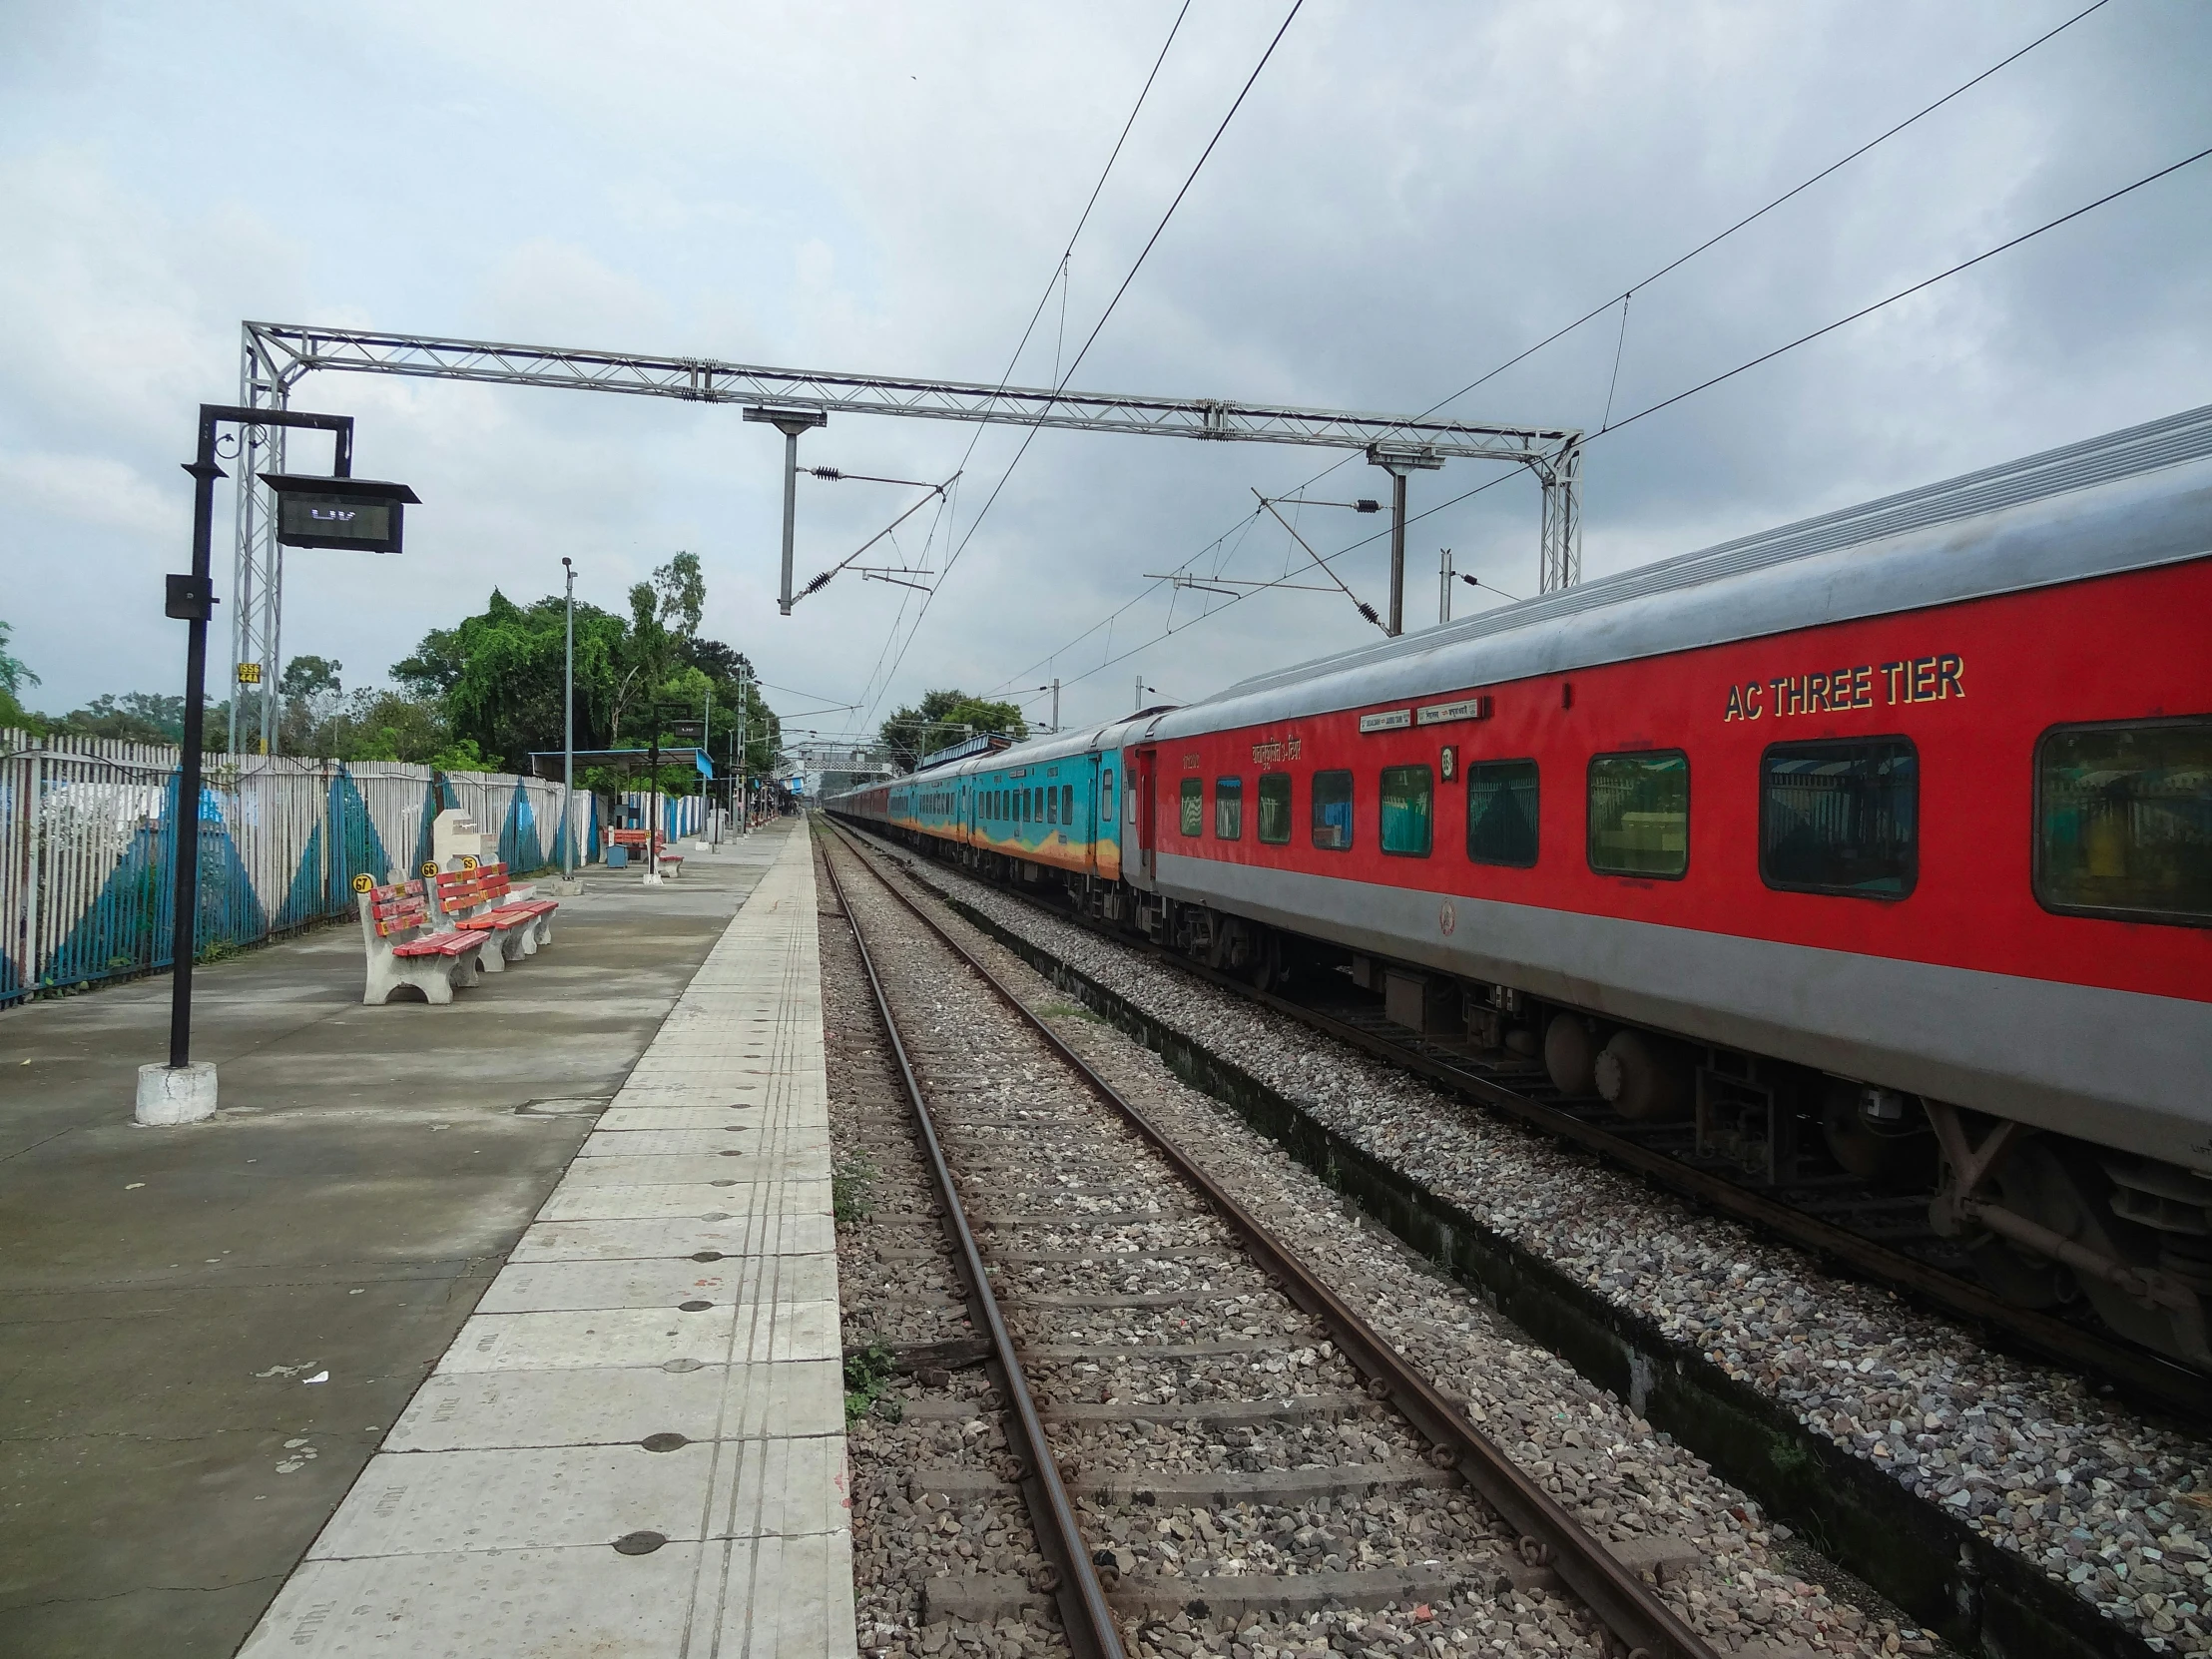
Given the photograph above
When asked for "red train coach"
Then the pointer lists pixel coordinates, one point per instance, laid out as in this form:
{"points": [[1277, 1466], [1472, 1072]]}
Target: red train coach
{"points": [[1895, 824]]}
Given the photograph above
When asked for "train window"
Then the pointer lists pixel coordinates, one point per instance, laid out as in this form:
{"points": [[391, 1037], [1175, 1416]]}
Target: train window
{"points": [[1194, 806], [1067, 802], [1275, 808], [1051, 805], [1640, 814], [1841, 817], [1502, 813], [1229, 809], [1407, 797], [1106, 796], [2124, 821], [1332, 810]]}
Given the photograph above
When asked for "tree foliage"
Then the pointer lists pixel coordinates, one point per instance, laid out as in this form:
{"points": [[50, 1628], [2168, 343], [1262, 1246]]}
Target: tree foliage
{"points": [[485, 693], [918, 731]]}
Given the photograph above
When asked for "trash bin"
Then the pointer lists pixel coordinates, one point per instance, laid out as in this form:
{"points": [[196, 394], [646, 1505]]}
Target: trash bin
{"points": [[618, 857]]}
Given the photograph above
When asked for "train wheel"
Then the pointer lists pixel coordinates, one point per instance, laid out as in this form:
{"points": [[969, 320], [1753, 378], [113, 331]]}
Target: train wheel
{"points": [[1268, 967], [1570, 1055]]}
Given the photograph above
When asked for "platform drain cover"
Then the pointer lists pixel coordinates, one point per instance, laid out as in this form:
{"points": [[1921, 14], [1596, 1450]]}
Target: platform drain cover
{"points": [[638, 1543], [565, 1106]]}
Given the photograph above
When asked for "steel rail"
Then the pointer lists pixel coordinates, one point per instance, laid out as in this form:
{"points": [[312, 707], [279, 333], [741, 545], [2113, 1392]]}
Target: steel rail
{"points": [[1549, 1536], [2148, 1378], [1086, 1619]]}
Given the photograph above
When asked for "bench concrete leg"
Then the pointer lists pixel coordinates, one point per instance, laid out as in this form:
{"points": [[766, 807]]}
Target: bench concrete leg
{"points": [[467, 967], [522, 941], [434, 975], [384, 977], [493, 957], [544, 929]]}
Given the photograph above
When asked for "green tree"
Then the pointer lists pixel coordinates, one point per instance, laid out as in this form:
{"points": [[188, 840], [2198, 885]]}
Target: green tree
{"points": [[918, 731], [384, 725], [307, 697], [15, 674], [495, 680]]}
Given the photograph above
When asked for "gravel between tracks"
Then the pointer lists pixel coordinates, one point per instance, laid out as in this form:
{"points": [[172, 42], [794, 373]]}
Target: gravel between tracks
{"points": [[1730, 1577], [2116, 1505], [894, 1273]]}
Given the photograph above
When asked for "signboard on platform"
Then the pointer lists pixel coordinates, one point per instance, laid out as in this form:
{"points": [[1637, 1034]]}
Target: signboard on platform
{"points": [[365, 515]]}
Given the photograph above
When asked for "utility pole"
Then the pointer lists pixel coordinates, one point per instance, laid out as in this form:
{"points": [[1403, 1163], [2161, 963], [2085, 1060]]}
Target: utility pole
{"points": [[1055, 705], [1139, 704], [568, 724], [790, 422], [653, 811], [745, 707], [1443, 589], [706, 747], [1399, 459]]}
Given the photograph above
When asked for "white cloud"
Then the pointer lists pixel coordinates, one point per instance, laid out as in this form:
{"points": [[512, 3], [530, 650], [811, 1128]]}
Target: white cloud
{"points": [[93, 490], [1404, 202]]}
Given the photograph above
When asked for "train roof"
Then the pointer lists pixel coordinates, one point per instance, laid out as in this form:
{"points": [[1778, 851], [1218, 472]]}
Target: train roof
{"points": [[2127, 500]]}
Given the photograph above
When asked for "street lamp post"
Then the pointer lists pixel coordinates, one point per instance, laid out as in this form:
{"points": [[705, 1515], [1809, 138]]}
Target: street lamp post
{"points": [[568, 724], [744, 709], [338, 512]]}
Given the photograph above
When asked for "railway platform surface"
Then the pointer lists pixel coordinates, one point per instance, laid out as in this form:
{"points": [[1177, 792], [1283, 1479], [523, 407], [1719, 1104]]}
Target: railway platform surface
{"points": [[636, 1445], [207, 1334]]}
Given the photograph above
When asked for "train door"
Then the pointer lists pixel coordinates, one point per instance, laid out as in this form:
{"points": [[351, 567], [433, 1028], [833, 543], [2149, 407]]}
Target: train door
{"points": [[1140, 811], [1087, 794]]}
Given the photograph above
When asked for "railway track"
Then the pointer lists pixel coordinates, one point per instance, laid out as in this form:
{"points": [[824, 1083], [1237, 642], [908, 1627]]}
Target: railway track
{"points": [[1850, 1228], [1165, 1366]]}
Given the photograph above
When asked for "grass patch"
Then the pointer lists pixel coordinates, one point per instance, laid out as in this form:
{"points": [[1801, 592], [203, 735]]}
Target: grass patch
{"points": [[1063, 1010], [848, 1191], [867, 1372]]}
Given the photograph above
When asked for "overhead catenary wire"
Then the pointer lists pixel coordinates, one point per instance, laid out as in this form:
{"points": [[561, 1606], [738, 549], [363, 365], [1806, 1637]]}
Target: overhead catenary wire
{"points": [[1907, 292], [1728, 374], [1620, 298], [1092, 339], [1058, 279]]}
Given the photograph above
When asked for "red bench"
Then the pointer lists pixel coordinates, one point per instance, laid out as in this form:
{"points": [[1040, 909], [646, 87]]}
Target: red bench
{"points": [[479, 899], [671, 862], [404, 949]]}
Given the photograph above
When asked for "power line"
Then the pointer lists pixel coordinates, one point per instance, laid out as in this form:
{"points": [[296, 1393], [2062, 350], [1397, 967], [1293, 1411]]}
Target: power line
{"points": [[1062, 385], [1751, 217], [1907, 292], [1060, 280], [1707, 384], [1622, 297]]}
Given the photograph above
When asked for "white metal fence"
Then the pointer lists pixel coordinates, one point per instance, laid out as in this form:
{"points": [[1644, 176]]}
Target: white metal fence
{"points": [[88, 840]]}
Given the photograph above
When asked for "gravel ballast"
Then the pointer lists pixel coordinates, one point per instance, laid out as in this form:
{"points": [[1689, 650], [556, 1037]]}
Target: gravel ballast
{"points": [[1741, 1583], [2102, 1499]]}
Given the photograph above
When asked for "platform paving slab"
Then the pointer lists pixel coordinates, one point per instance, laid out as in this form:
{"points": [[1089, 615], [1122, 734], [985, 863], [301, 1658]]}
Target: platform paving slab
{"points": [[165, 1295], [648, 1400]]}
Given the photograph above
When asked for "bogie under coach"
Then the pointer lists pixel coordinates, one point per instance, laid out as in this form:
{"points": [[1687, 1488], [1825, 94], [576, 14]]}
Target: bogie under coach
{"points": [[1878, 844]]}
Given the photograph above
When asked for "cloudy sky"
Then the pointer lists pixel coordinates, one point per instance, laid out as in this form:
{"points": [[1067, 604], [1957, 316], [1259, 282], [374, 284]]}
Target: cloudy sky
{"points": [[1410, 195]]}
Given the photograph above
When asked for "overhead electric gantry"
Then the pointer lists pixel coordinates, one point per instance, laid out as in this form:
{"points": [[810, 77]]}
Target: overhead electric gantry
{"points": [[276, 356]]}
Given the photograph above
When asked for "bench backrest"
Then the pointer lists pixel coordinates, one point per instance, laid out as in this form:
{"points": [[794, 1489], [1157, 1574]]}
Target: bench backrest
{"points": [[394, 910], [460, 890]]}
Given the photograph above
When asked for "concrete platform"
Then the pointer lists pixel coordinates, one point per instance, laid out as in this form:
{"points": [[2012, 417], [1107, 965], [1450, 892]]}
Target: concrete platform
{"points": [[167, 1297], [636, 1443]]}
